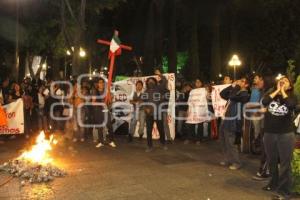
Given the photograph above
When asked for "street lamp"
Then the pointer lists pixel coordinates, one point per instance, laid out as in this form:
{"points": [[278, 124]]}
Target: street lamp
{"points": [[234, 62], [44, 66], [82, 53], [68, 52]]}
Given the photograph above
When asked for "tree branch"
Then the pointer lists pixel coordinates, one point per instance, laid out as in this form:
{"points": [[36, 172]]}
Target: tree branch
{"points": [[71, 11], [63, 24]]}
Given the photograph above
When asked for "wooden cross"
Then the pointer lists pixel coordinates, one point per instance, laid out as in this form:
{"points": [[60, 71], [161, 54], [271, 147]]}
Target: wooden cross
{"points": [[111, 65]]}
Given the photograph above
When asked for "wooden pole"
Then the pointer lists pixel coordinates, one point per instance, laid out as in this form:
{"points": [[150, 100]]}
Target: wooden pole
{"points": [[110, 75]]}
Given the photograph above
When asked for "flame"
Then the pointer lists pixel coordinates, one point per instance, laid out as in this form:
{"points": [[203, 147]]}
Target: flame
{"points": [[39, 152]]}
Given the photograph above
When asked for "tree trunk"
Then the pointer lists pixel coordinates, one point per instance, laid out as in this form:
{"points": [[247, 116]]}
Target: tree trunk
{"points": [[172, 44], [149, 42], [159, 4], [77, 69], [216, 63], [37, 75], [193, 69]]}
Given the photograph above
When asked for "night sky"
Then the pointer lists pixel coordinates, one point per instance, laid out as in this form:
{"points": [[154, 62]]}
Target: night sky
{"points": [[263, 33]]}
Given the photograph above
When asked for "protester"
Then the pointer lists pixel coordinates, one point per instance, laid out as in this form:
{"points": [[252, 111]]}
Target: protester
{"points": [[231, 125], [195, 132], [209, 89], [138, 113], [227, 80], [15, 93], [4, 93], [279, 137], [101, 115], [42, 119], [28, 106], [162, 83], [152, 98], [79, 112], [256, 121], [182, 109]]}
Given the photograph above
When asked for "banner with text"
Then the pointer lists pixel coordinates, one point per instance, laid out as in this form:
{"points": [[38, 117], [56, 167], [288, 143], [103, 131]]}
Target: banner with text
{"points": [[15, 118], [123, 93], [198, 107], [218, 102]]}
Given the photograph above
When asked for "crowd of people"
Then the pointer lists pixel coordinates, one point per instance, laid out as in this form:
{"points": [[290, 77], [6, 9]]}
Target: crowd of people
{"points": [[270, 112]]}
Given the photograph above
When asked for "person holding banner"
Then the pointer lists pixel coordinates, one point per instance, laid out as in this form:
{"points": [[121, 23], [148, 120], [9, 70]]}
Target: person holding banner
{"points": [[182, 109], [162, 83], [152, 98], [138, 113], [195, 130], [232, 123]]}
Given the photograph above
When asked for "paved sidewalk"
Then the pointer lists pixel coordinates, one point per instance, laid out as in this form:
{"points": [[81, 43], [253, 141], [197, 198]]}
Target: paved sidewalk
{"points": [[187, 172]]}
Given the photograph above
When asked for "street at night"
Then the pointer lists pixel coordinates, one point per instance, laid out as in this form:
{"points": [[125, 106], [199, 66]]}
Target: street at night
{"points": [[182, 172]]}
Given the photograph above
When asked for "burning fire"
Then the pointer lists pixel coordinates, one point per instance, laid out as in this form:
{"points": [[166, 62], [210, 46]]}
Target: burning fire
{"points": [[39, 153]]}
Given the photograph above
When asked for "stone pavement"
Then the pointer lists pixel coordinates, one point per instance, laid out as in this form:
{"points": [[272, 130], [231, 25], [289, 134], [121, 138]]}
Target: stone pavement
{"points": [[187, 172]]}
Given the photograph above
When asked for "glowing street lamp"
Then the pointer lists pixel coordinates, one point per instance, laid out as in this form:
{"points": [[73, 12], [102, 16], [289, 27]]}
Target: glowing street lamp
{"points": [[44, 66], [234, 62], [82, 53]]}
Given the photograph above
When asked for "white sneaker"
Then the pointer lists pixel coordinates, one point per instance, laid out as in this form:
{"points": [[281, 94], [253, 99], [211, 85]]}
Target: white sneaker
{"points": [[235, 167], [75, 140], [82, 140], [99, 145], [112, 144]]}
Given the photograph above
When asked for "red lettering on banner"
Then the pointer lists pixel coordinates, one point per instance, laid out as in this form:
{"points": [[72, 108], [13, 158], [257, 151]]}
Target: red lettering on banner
{"points": [[6, 130], [11, 115], [169, 119]]}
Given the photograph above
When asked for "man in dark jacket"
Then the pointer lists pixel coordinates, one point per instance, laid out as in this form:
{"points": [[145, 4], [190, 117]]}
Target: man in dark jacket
{"points": [[152, 98], [162, 84], [231, 126]]}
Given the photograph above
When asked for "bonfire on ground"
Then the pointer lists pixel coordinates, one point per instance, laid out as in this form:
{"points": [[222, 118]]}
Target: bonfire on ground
{"points": [[36, 165]]}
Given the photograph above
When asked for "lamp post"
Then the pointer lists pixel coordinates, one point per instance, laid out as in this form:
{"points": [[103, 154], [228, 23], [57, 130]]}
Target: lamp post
{"points": [[234, 62]]}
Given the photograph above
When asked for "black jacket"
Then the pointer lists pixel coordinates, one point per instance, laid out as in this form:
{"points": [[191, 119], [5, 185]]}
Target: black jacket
{"points": [[236, 98]]}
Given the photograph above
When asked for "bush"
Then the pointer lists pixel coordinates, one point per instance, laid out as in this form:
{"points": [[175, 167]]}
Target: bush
{"points": [[296, 171]]}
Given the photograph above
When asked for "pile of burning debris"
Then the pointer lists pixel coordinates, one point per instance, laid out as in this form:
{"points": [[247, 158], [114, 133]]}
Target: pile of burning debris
{"points": [[33, 172], [35, 165]]}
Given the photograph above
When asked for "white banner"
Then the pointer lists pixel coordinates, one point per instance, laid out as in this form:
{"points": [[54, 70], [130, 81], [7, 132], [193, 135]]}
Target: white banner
{"points": [[198, 107], [124, 91], [218, 103], [15, 118]]}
